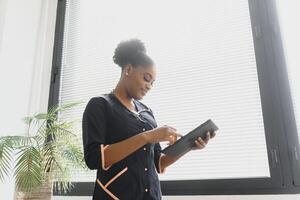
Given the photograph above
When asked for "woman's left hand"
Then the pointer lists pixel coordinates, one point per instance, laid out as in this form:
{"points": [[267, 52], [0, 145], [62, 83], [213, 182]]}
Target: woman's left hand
{"points": [[200, 143]]}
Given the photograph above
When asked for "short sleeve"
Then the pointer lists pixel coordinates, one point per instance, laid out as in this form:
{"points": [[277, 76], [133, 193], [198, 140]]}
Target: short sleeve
{"points": [[157, 158], [157, 151], [94, 129]]}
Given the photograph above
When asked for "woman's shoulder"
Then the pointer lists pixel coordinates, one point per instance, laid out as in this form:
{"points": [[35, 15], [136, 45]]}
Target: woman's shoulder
{"points": [[100, 100]]}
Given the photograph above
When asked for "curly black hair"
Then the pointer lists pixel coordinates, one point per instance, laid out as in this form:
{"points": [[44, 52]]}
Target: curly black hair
{"points": [[132, 52]]}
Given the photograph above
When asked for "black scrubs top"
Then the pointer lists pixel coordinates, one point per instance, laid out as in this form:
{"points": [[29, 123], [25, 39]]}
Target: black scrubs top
{"points": [[106, 121]]}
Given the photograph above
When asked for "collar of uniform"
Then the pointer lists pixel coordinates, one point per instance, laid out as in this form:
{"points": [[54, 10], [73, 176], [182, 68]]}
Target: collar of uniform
{"points": [[135, 102]]}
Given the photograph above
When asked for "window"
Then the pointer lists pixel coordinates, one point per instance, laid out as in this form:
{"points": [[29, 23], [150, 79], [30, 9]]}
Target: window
{"points": [[211, 64], [288, 15], [291, 44]]}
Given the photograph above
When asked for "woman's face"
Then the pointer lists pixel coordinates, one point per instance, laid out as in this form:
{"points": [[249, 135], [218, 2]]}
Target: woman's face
{"points": [[140, 81]]}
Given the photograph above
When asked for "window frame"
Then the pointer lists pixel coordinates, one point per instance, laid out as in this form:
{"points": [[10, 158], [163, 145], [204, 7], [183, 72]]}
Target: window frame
{"points": [[278, 115]]}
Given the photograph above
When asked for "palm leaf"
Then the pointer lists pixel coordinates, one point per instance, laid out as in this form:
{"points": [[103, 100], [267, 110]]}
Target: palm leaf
{"points": [[51, 157], [5, 157], [20, 141], [28, 171], [72, 153], [27, 120], [41, 116], [55, 131], [60, 108]]}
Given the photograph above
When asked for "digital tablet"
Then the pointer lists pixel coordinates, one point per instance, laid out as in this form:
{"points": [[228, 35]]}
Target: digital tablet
{"points": [[186, 142]]}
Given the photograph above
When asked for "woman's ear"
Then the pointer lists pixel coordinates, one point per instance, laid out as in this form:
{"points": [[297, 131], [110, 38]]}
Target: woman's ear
{"points": [[128, 69]]}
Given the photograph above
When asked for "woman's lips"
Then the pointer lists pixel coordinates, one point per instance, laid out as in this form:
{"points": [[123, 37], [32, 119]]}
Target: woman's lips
{"points": [[144, 92]]}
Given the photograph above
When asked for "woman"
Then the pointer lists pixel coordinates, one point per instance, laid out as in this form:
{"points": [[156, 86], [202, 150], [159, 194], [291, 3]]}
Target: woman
{"points": [[120, 134]]}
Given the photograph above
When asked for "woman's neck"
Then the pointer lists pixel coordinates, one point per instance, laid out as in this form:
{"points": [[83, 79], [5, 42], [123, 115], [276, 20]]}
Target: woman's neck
{"points": [[121, 93], [123, 96]]}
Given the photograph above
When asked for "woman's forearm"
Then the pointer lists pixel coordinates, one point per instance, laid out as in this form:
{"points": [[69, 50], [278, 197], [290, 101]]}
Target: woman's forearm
{"points": [[167, 160], [120, 150]]}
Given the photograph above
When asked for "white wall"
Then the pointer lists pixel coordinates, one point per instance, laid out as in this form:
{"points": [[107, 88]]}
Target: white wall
{"points": [[26, 43]]}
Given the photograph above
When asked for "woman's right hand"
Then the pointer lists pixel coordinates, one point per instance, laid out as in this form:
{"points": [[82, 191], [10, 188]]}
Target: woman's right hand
{"points": [[163, 133]]}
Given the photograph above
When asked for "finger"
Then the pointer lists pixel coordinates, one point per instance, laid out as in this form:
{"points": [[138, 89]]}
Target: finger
{"points": [[201, 141], [177, 134], [174, 136], [206, 140], [199, 145], [171, 139], [172, 128], [207, 137]]}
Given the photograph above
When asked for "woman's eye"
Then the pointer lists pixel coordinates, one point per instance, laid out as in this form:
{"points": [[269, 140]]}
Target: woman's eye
{"points": [[147, 79]]}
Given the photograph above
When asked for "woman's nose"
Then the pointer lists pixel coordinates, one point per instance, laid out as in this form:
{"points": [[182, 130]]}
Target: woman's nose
{"points": [[148, 86]]}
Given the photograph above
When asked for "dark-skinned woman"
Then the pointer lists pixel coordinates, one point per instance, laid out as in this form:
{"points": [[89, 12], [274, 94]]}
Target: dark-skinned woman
{"points": [[120, 134]]}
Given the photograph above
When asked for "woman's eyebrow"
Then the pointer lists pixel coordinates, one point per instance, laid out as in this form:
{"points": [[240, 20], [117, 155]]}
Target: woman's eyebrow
{"points": [[149, 74]]}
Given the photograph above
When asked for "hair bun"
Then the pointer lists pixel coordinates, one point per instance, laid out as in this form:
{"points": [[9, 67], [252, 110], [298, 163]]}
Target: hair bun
{"points": [[127, 50]]}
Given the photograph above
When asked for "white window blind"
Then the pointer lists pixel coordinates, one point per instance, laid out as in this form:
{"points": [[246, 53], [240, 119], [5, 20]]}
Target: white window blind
{"points": [[289, 16], [206, 65]]}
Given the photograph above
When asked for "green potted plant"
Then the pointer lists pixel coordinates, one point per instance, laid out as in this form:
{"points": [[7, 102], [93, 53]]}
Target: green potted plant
{"points": [[43, 158]]}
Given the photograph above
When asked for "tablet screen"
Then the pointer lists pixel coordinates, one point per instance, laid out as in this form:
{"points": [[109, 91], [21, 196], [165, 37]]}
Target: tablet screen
{"points": [[186, 142]]}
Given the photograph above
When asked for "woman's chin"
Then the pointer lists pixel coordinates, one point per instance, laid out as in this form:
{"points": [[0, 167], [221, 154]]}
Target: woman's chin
{"points": [[139, 96]]}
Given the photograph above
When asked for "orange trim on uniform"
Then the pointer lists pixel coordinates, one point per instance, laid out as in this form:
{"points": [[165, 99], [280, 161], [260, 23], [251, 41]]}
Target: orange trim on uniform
{"points": [[116, 176], [102, 157], [161, 171], [107, 191], [104, 187]]}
